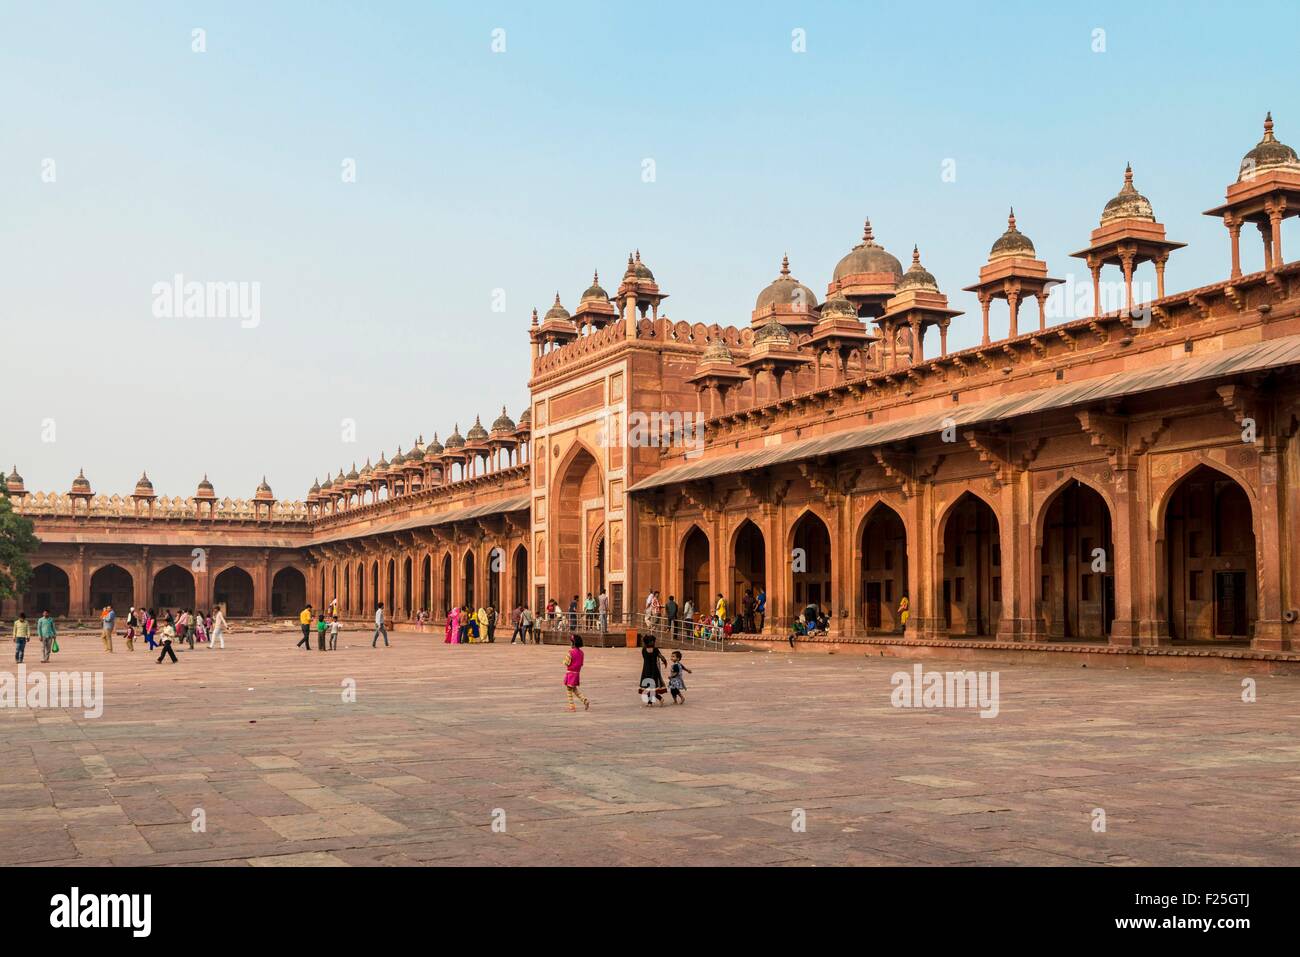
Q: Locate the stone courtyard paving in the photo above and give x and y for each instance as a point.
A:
(439, 737)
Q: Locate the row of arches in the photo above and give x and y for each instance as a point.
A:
(407, 584)
(1207, 550)
(172, 587)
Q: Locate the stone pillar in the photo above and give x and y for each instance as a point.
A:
(1128, 564)
(1015, 539)
(1234, 234)
(78, 586)
(262, 587)
(1269, 635)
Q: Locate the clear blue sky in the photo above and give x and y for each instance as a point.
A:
(522, 171)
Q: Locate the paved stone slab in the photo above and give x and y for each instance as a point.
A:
(466, 755)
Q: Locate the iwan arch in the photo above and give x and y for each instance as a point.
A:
(1125, 477)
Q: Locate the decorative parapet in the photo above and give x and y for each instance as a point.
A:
(163, 508)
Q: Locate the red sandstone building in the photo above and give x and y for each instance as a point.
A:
(1128, 477)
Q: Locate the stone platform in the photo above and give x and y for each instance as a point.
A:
(443, 741)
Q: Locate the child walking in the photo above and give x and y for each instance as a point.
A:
(572, 675)
(675, 683)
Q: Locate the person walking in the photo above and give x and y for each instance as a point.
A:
(573, 675)
(46, 631)
(150, 626)
(652, 679)
(304, 619)
(108, 619)
(602, 609)
(132, 622)
(525, 624)
(168, 633)
(22, 631)
(379, 627)
(516, 618)
(670, 610)
(218, 628)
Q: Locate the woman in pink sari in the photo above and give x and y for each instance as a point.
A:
(453, 626)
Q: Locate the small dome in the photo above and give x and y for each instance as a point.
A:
(315, 487)
(205, 489)
(785, 290)
(558, 312)
(476, 431)
(264, 491)
(716, 351)
(1128, 203)
(1269, 153)
(636, 269)
(867, 256)
(772, 332)
(455, 440)
(14, 483)
(434, 448)
(144, 486)
(917, 276)
(81, 483)
(503, 422)
(526, 420)
(1012, 243)
(595, 293)
(326, 485)
(353, 475)
(838, 307)
(398, 460)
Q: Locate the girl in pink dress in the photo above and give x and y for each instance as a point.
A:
(453, 626)
(572, 675)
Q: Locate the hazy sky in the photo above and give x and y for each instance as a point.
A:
(522, 171)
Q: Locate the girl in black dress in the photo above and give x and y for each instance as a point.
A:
(652, 679)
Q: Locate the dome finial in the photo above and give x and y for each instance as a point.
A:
(916, 255)
(1011, 219)
(1128, 174)
(534, 315)
(1268, 126)
(785, 265)
(595, 277)
(867, 235)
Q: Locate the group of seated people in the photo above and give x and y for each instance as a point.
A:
(812, 622)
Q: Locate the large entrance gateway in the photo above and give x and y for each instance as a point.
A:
(971, 596)
(1076, 560)
(1210, 559)
(577, 553)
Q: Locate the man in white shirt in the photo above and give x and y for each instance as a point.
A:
(379, 627)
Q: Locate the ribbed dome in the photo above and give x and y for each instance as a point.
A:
(353, 474)
(366, 470)
(838, 307)
(636, 269)
(772, 332)
(144, 486)
(263, 490)
(434, 448)
(785, 290)
(503, 422)
(14, 478)
(558, 311)
(917, 276)
(526, 420)
(81, 483)
(326, 485)
(315, 487)
(380, 467)
(205, 488)
(1128, 203)
(867, 256)
(455, 440)
(1012, 243)
(595, 293)
(1269, 153)
(716, 351)
(476, 431)
(398, 459)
